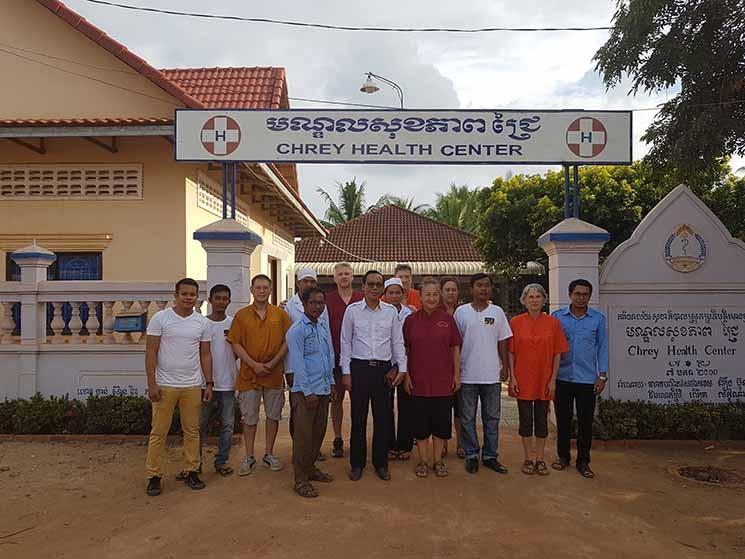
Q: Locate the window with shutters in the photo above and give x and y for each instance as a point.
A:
(71, 182)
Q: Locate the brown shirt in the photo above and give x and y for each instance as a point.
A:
(262, 339)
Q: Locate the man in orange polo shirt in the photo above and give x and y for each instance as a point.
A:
(258, 339)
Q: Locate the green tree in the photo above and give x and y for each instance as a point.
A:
(348, 205)
(458, 207)
(699, 45)
(401, 202)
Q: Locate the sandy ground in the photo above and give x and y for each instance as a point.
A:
(87, 500)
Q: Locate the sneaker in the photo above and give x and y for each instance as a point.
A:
(153, 486)
(338, 450)
(193, 481)
(472, 465)
(272, 462)
(247, 466)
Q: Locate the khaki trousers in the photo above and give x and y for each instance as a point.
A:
(189, 402)
(309, 431)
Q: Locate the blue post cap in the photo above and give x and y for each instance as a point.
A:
(33, 253)
(574, 230)
(226, 230)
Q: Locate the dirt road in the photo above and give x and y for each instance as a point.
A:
(87, 500)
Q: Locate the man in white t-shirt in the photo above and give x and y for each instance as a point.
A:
(176, 356)
(484, 364)
(224, 371)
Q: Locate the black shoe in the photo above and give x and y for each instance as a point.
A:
(383, 473)
(561, 464)
(193, 481)
(584, 470)
(153, 486)
(472, 465)
(493, 464)
(355, 474)
(338, 450)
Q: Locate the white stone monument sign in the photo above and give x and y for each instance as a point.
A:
(674, 295)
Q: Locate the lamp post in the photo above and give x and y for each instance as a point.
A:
(370, 87)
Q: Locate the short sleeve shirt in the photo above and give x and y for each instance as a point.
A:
(178, 363)
(481, 331)
(262, 339)
(429, 340)
(534, 344)
(224, 364)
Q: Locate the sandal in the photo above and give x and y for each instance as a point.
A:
(306, 490)
(321, 477)
(393, 455)
(404, 456)
(461, 453)
(560, 464)
(540, 468)
(441, 470)
(224, 470)
(528, 468)
(422, 470)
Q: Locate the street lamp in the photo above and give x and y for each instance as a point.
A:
(370, 87)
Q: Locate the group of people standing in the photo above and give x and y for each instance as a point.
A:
(423, 363)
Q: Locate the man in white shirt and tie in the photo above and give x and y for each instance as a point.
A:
(371, 340)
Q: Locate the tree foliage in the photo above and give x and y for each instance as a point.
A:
(405, 203)
(516, 211)
(458, 207)
(350, 202)
(700, 45)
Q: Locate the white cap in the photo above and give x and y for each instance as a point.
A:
(393, 281)
(307, 273)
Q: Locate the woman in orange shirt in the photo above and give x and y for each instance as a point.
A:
(535, 351)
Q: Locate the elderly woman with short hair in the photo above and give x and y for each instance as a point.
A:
(535, 351)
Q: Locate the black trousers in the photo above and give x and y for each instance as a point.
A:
(567, 393)
(402, 428)
(369, 385)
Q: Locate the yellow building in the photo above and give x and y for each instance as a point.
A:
(86, 157)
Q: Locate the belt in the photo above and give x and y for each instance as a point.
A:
(373, 362)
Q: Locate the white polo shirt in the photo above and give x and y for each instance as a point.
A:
(178, 364)
(481, 330)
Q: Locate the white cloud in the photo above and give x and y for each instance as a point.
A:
(505, 70)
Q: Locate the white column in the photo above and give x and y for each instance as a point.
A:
(33, 261)
(573, 247)
(229, 246)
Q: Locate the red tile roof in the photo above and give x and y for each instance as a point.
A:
(86, 122)
(120, 51)
(390, 234)
(235, 88)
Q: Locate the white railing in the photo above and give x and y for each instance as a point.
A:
(68, 302)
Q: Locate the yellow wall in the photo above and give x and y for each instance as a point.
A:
(49, 87)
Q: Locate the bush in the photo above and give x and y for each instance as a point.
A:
(98, 415)
(693, 420)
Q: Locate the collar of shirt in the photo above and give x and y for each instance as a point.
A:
(568, 311)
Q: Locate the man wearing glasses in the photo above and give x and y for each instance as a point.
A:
(583, 372)
(371, 340)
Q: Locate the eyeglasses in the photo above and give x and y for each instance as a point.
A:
(374, 284)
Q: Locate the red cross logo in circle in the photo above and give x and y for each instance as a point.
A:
(221, 135)
(586, 137)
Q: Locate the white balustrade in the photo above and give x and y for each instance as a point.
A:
(66, 299)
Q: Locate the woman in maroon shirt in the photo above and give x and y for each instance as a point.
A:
(450, 291)
(433, 348)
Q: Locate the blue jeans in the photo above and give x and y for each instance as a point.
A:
(491, 405)
(225, 402)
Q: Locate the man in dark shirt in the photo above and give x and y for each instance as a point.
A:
(336, 304)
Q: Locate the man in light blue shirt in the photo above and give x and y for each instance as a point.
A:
(583, 372)
(311, 358)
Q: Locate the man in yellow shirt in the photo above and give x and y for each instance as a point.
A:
(258, 339)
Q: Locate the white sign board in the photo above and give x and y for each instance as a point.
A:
(405, 136)
(685, 354)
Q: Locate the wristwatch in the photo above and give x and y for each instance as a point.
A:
(604, 378)
(209, 383)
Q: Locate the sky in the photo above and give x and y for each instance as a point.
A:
(472, 71)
